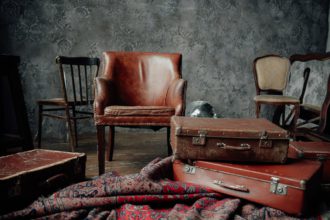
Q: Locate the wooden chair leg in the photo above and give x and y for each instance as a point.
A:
(40, 109)
(100, 130)
(295, 119)
(68, 120)
(257, 110)
(168, 135)
(111, 142)
(75, 133)
(278, 113)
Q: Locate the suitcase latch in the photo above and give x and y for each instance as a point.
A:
(264, 142)
(276, 187)
(189, 169)
(200, 140)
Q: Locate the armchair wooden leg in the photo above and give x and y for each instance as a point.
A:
(111, 142)
(100, 130)
(38, 136)
(168, 134)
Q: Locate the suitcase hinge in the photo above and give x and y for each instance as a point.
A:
(189, 169)
(276, 187)
(200, 140)
(264, 141)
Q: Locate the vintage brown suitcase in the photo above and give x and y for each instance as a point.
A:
(256, 140)
(281, 186)
(313, 151)
(25, 176)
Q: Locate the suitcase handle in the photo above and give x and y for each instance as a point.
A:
(240, 188)
(242, 147)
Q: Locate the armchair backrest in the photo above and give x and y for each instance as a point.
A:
(271, 72)
(141, 78)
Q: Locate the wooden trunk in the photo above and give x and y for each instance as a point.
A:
(256, 140)
(279, 186)
(25, 176)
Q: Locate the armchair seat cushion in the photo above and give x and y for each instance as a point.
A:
(118, 110)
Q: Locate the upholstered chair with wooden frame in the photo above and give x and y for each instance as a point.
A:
(271, 74)
(310, 112)
(76, 81)
(137, 89)
(322, 131)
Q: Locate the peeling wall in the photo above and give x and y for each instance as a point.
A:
(218, 39)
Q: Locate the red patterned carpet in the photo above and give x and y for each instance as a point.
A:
(150, 194)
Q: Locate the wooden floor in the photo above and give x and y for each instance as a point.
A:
(133, 150)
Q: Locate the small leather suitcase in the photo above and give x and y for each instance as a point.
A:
(281, 186)
(313, 151)
(256, 140)
(26, 175)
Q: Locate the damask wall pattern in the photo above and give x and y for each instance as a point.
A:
(218, 39)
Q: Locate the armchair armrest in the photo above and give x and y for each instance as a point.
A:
(103, 95)
(176, 96)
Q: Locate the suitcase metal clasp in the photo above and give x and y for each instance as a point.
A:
(264, 142)
(201, 139)
(276, 187)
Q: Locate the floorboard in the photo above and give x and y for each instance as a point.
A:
(133, 150)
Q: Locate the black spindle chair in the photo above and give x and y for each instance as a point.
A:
(76, 76)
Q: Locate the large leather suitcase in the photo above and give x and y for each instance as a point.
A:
(25, 176)
(313, 151)
(256, 140)
(281, 186)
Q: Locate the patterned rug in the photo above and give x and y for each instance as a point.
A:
(150, 194)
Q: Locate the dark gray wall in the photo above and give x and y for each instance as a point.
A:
(328, 41)
(218, 39)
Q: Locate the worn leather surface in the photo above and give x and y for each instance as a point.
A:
(313, 151)
(229, 127)
(228, 139)
(27, 175)
(32, 161)
(256, 180)
(139, 79)
(121, 110)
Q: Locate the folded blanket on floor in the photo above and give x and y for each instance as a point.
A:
(150, 194)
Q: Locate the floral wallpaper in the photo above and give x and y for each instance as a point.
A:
(316, 88)
(218, 39)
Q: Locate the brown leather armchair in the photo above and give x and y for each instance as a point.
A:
(137, 89)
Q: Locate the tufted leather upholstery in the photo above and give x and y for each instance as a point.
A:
(137, 89)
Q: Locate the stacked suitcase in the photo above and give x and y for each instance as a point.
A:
(245, 158)
(27, 175)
